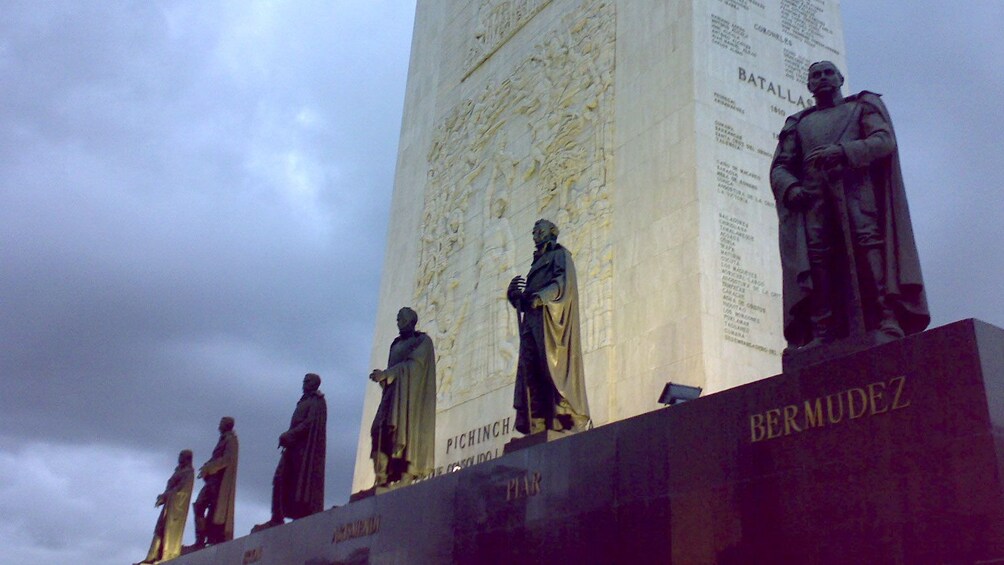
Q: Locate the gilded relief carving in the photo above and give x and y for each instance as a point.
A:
(535, 143)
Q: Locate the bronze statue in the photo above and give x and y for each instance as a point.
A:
(298, 484)
(404, 429)
(174, 501)
(550, 385)
(849, 261)
(214, 508)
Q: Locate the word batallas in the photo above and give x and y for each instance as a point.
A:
(872, 399)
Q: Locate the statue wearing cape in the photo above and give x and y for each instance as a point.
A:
(170, 529)
(550, 391)
(404, 429)
(298, 487)
(863, 130)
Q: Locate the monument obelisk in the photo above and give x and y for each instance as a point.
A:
(644, 129)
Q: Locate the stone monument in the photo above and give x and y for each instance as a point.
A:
(645, 130)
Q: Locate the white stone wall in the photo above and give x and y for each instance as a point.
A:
(619, 120)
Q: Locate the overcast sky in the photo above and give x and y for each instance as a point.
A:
(193, 208)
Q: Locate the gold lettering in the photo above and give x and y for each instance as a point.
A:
(772, 420)
(850, 403)
(790, 411)
(814, 415)
(829, 408)
(875, 398)
(756, 425)
(535, 483)
(899, 391)
(510, 487)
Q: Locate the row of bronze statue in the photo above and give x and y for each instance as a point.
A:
(297, 486)
(549, 394)
(850, 268)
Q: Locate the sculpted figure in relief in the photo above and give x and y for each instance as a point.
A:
(848, 256)
(550, 392)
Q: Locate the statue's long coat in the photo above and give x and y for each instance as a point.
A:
(225, 460)
(552, 279)
(302, 488)
(904, 282)
(171, 523)
(409, 402)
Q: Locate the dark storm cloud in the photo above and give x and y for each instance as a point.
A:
(193, 210)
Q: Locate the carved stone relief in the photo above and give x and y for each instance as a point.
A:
(497, 22)
(534, 144)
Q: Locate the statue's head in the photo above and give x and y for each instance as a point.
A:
(407, 319)
(544, 231)
(499, 205)
(226, 424)
(311, 382)
(824, 78)
(185, 457)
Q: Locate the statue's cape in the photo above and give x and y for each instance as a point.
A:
(903, 276)
(412, 410)
(562, 338)
(304, 459)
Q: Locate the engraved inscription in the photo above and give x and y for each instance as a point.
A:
(731, 36)
(879, 397)
(741, 312)
(801, 20)
(524, 486)
(356, 529)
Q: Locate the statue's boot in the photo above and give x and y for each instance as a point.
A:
(537, 425)
(200, 532)
(822, 311)
(888, 325)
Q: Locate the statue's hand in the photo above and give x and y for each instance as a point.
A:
(376, 376)
(284, 439)
(160, 501)
(517, 285)
(826, 156)
(799, 197)
(515, 292)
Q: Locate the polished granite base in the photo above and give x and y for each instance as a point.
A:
(889, 455)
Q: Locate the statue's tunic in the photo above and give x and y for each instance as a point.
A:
(170, 528)
(221, 471)
(298, 488)
(877, 209)
(550, 354)
(405, 424)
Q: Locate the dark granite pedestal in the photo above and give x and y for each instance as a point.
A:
(889, 455)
